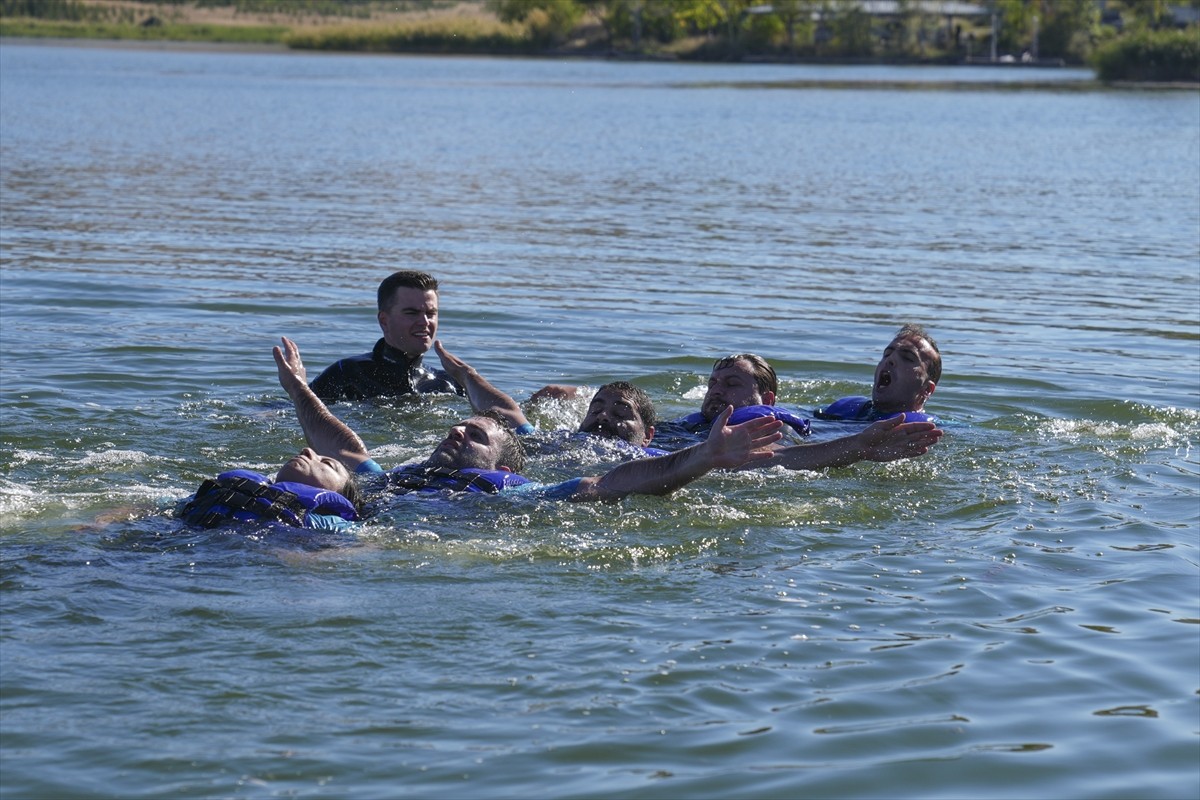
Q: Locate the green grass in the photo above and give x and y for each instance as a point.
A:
(432, 36)
(238, 34)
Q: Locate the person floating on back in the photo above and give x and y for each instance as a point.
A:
(308, 491)
(745, 383)
(617, 412)
(748, 383)
(484, 452)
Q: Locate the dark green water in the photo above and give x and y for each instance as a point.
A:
(1013, 615)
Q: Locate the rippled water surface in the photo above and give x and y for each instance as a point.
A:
(1013, 615)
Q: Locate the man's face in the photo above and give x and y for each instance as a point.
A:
(613, 415)
(476, 442)
(902, 377)
(732, 386)
(311, 469)
(410, 324)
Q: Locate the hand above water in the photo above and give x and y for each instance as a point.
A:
(292, 374)
(730, 446)
(894, 439)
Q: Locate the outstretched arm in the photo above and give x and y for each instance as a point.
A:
(325, 433)
(887, 440)
(726, 447)
(483, 396)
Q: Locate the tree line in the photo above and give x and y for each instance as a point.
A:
(1148, 40)
(1069, 30)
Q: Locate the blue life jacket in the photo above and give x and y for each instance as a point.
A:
(697, 422)
(248, 496)
(419, 478)
(861, 409)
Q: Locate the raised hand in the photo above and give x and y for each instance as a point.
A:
(455, 367)
(291, 368)
(325, 433)
(732, 446)
(484, 397)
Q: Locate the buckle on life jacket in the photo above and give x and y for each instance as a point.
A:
(217, 500)
(455, 480)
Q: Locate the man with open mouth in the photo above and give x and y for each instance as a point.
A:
(905, 377)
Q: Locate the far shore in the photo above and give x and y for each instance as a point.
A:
(1066, 85)
(197, 45)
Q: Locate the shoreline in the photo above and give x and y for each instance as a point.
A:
(1069, 84)
(196, 45)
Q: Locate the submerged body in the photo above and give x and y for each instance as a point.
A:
(382, 372)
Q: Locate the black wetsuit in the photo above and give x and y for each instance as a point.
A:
(383, 372)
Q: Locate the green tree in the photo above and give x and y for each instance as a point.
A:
(602, 10)
(762, 33)
(641, 20)
(710, 16)
(548, 21)
(1016, 25)
(796, 16)
(1143, 14)
(1049, 28)
(852, 32)
(1070, 29)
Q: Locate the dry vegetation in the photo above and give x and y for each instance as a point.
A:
(228, 15)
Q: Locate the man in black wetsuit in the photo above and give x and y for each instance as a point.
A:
(408, 317)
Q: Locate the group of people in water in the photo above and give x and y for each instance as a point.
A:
(738, 426)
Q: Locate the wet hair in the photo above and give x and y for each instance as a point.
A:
(512, 452)
(933, 363)
(764, 373)
(409, 278)
(640, 400)
(351, 491)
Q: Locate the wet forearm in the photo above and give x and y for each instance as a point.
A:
(325, 433)
(821, 455)
(485, 397)
(659, 475)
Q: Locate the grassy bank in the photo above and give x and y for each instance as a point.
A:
(1150, 56)
(369, 26)
(469, 35)
(163, 31)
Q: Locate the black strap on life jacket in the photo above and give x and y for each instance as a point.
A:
(218, 499)
(417, 478)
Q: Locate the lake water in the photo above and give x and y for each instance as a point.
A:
(1014, 615)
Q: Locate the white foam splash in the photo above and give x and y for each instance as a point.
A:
(15, 499)
(109, 457)
(22, 457)
(1072, 429)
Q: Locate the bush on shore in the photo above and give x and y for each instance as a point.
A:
(1161, 56)
(428, 36)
